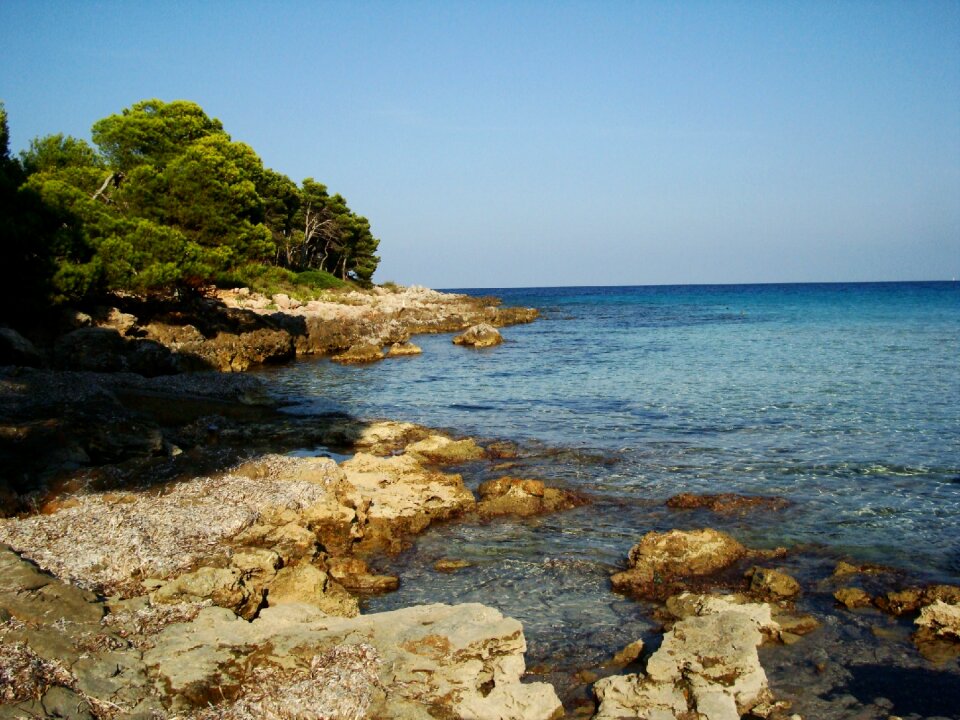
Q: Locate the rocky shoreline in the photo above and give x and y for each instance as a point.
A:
(163, 557)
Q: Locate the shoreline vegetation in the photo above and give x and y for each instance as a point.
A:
(164, 555)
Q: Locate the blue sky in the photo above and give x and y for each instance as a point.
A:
(497, 144)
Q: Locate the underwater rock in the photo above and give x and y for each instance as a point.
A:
(726, 502)
(448, 565)
(853, 598)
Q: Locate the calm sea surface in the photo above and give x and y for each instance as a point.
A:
(842, 398)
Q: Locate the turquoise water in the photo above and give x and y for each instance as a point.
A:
(842, 398)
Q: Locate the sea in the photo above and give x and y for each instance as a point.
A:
(842, 398)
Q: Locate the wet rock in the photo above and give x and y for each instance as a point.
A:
(844, 569)
(15, 349)
(772, 584)
(853, 598)
(359, 354)
(910, 600)
(660, 559)
(404, 349)
(225, 587)
(355, 575)
(479, 336)
(305, 583)
(449, 565)
(523, 498)
(626, 655)
(726, 502)
(442, 450)
(707, 667)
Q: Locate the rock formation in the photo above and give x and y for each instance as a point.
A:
(479, 336)
(707, 667)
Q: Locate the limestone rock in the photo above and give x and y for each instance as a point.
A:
(305, 583)
(360, 353)
(772, 584)
(440, 449)
(707, 667)
(660, 558)
(257, 566)
(941, 619)
(524, 498)
(404, 349)
(461, 661)
(386, 437)
(479, 336)
(225, 587)
(396, 496)
(355, 575)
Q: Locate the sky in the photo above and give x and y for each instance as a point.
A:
(512, 144)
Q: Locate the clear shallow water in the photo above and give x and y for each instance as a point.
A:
(843, 398)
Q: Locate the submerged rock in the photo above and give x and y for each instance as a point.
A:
(448, 565)
(853, 598)
(726, 502)
(479, 336)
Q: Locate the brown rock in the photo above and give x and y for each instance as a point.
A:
(853, 598)
(305, 583)
(772, 584)
(627, 655)
(522, 497)
(439, 449)
(222, 586)
(479, 336)
(360, 353)
(354, 574)
(660, 558)
(448, 565)
(404, 349)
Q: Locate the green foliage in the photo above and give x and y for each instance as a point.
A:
(152, 132)
(59, 152)
(168, 200)
(270, 280)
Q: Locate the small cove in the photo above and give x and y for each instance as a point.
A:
(840, 398)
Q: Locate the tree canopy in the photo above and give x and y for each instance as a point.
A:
(163, 200)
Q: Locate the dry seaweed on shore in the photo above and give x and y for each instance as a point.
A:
(340, 683)
(139, 626)
(24, 675)
(110, 542)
